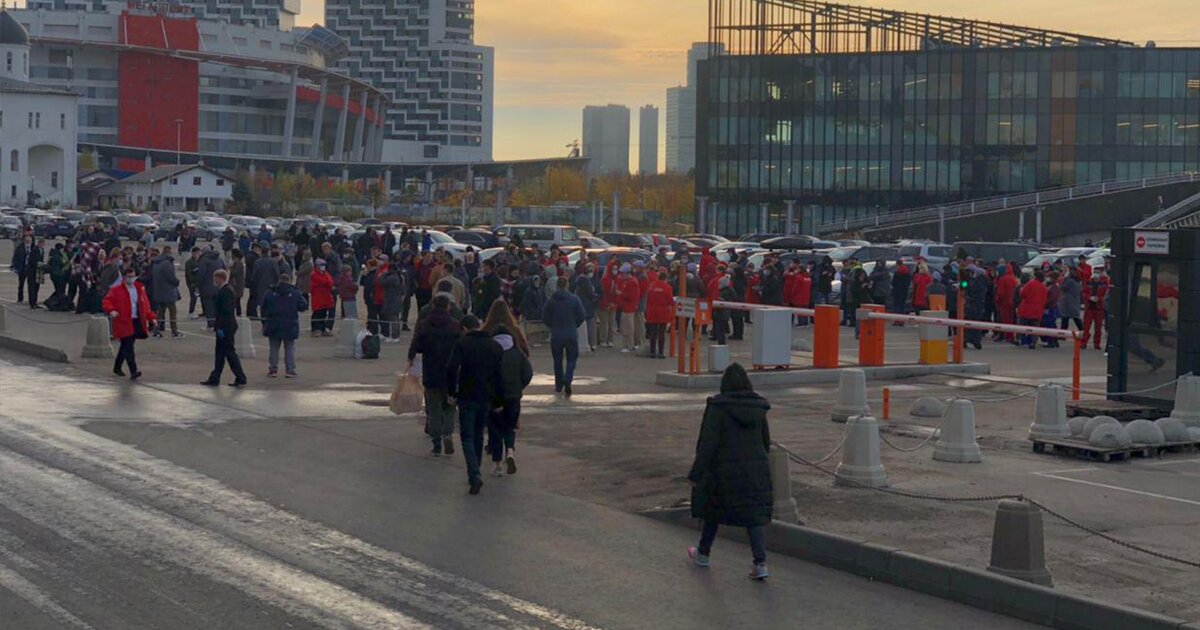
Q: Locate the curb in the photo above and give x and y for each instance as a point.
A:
(45, 353)
(806, 376)
(973, 587)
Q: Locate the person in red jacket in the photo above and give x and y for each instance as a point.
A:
(660, 310)
(322, 302)
(753, 280)
(1006, 298)
(1084, 269)
(1033, 305)
(1095, 290)
(708, 266)
(801, 293)
(628, 293)
(921, 284)
(608, 305)
(129, 308)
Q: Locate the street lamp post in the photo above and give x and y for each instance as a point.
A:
(178, 141)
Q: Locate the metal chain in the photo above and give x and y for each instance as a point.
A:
(918, 447)
(1138, 391)
(71, 322)
(835, 450)
(993, 498)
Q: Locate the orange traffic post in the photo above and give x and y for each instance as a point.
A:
(1075, 367)
(937, 303)
(960, 335)
(887, 403)
(695, 346)
(870, 337)
(826, 335)
(674, 326)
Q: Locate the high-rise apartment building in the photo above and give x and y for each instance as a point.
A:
(606, 139)
(648, 140)
(422, 53)
(681, 112)
(261, 13)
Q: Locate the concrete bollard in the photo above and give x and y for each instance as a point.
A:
(852, 396)
(784, 508)
(860, 465)
(934, 344)
(97, 345)
(1018, 545)
(956, 443)
(3, 321)
(244, 343)
(347, 338)
(1187, 401)
(1051, 414)
(718, 358)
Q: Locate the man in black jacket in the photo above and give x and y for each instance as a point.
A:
(434, 341)
(473, 377)
(226, 327)
(488, 290)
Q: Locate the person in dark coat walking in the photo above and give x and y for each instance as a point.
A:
(473, 378)
(488, 290)
(281, 310)
(976, 304)
(164, 286)
(263, 276)
(225, 316)
(563, 313)
(237, 279)
(731, 475)
(434, 340)
(210, 262)
(515, 375)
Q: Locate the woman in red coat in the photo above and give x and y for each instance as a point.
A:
(322, 302)
(800, 295)
(921, 284)
(1032, 306)
(660, 310)
(129, 308)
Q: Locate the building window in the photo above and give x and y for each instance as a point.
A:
(14, 161)
(8, 59)
(174, 181)
(195, 181)
(54, 179)
(30, 125)
(220, 182)
(37, 120)
(62, 121)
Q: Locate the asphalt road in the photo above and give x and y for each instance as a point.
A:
(130, 506)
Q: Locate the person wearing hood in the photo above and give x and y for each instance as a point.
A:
(1070, 301)
(320, 286)
(389, 296)
(434, 340)
(533, 302)
(824, 282)
(473, 379)
(1006, 297)
(901, 283)
(165, 287)
(487, 291)
(563, 313)
(304, 272)
(731, 474)
(210, 262)
(281, 308)
(587, 288)
(976, 303)
(660, 311)
(721, 316)
(515, 375)
(347, 292)
(1033, 306)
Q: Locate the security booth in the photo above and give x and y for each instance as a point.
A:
(1153, 313)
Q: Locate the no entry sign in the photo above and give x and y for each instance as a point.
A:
(1152, 242)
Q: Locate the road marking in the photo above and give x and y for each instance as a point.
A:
(1120, 489)
(1175, 462)
(1066, 470)
(38, 598)
(72, 481)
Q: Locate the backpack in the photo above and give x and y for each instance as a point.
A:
(58, 303)
(370, 347)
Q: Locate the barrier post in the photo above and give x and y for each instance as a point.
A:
(936, 303)
(695, 366)
(887, 403)
(934, 345)
(870, 336)
(679, 322)
(826, 335)
(674, 327)
(960, 335)
(1075, 367)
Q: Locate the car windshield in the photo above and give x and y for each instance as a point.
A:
(440, 237)
(139, 218)
(843, 253)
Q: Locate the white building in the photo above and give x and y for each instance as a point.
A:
(261, 13)
(177, 187)
(606, 139)
(422, 54)
(37, 128)
(681, 112)
(648, 140)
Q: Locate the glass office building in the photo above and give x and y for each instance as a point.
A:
(849, 111)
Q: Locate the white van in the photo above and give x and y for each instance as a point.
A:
(542, 235)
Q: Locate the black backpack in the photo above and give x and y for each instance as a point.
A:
(370, 347)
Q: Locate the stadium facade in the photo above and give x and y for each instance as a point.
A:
(843, 111)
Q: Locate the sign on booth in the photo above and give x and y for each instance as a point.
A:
(1152, 242)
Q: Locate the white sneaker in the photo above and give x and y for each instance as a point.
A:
(511, 462)
(625, 350)
(498, 470)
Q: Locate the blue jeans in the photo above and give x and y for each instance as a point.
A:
(569, 348)
(472, 419)
(757, 535)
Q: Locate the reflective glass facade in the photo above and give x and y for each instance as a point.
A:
(857, 133)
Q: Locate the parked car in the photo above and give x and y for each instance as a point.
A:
(542, 235)
(757, 237)
(442, 241)
(210, 228)
(862, 254)
(795, 241)
(592, 242)
(988, 252)
(99, 218)
(627, 239)
(479, 239)
(253, 225)
(134, 225)
(1067, 255)
(623, 254)
(936, 254)
(707, 237)
(10, 226)
(74, 216)
(57, 227)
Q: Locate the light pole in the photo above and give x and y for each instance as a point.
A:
(178, 141)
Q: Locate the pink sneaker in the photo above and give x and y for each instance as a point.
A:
(698, 558)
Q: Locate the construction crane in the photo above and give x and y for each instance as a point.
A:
(574, 147)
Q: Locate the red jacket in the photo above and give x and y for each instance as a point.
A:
(377, 294)
(752, 282)
(708, 266)
(608, 289)
(1085, 272)
(920, 291)
(1096, 287)
(1006, 291)
(628, 293)
(712, 291)
(1033, 300)
(117, 299)
(660, 303)
(800, 295)
(321, 289)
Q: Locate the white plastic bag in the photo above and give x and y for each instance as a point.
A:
(358, 342)
(416, 370)
(582, 335)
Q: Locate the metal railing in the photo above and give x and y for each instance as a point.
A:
(1172, 215)
(1003, 203)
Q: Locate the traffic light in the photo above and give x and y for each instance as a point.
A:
(962, 284)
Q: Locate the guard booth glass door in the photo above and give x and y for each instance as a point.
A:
(1153, 327)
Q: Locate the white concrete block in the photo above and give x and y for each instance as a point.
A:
(928, 407)
(852, 396)
(97, 344)
(1077, 424)
(1173, 430)
(1097, 421)
(1050, 419)
(1110, 436)
(860, 465)
(956, 443)
(347, 338)
(1145, 432)
(1187, 401)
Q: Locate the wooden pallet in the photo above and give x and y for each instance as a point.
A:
(1178, 447)
(1080, 448)
(1122, 411)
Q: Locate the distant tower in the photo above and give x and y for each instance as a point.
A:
(606, 139)
(648, 140)
(681, 112)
